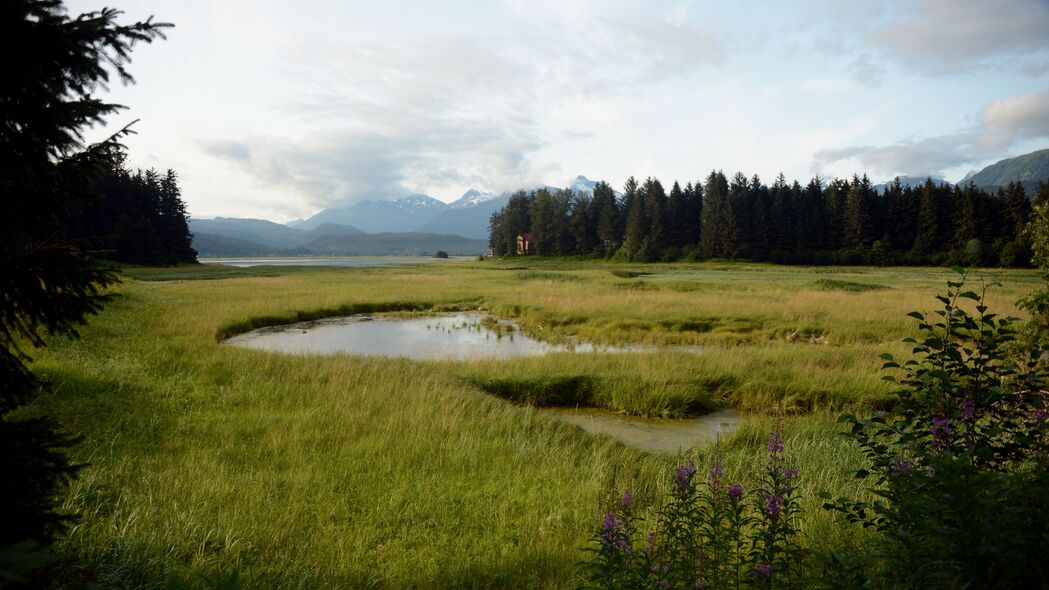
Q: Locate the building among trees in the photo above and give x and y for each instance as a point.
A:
(524, 243)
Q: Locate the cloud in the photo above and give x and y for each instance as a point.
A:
(436, 113)
(946, 36)
(866, 70)
(931, 37)
(344, 166)
(1002, 124)
(231, 150)
(1018, 117)
(922, 157)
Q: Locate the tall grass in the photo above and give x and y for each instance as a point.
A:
(304, 472)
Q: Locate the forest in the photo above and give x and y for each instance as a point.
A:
(136, 217)
(841, 221)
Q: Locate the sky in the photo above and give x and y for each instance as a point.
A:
(277, 110)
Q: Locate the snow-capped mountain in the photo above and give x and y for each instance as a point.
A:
(419, 202)
(466, 216)
(908, 181)
(398, 215)
(582, 184)
(471, 198)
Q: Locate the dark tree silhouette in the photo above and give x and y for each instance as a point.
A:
(844, 221)
(48, 284)
(138, 218)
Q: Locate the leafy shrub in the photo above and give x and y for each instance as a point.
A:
(961, 465)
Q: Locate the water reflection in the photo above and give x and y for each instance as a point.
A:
(453, 336)
(248, 262)
(651, 434)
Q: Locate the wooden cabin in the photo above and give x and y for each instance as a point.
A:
(524, 243)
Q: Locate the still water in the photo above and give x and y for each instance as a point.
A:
(651, 434)
(455, 336)
(472, 335)
(246, 262)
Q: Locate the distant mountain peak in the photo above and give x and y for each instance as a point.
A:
(582, 184)
(419, 200)
(1027, 169)
(470, 198)
(968, 176)
(909, 181)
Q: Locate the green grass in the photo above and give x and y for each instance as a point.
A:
(306, 472)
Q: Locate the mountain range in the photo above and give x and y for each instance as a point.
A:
(421, 225)
(412, 225)
(1028, 170)
(909, 181)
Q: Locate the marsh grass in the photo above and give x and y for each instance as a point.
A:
(851, 286)
(305, 472)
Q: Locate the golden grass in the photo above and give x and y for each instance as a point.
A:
(306, 472)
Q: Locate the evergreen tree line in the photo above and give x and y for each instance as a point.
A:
(138, 217)
(842, 221)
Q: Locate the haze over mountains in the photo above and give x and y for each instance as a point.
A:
(416, 225)
(421, 225)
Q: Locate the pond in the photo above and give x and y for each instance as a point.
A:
(361, 262)
(651, 434)
(456, 336)
(463, 336)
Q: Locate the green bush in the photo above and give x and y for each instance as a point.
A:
(961, 464)
(958, 471)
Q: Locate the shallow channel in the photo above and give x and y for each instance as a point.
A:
(456, 336)
(464, 336)
(651, 434)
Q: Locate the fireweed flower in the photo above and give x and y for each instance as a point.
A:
(968, 409)
(775, 444)
(774, 506)
(789, 474)
(628, 498)
(764, 569)
(714, 478)
(735, 492)
(613, 535)
(699, 585)
(941, 434)
(651, 543)
(898, 465)
(683, 478)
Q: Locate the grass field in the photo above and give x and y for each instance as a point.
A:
(342, 471)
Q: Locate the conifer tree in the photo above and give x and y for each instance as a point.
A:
(719, 224)
(545, 231)
(655, 205)
(931, 236)
(636, 220)
(677, 220)
(860, 229)
(607, 216)
(174, 220)
(694, 216)
(52, 65)
(834, 197)
(782, 221)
